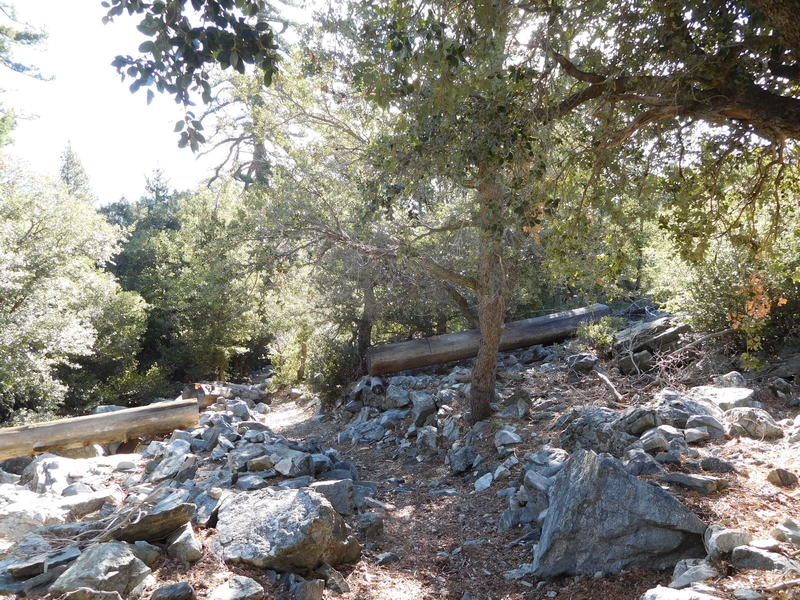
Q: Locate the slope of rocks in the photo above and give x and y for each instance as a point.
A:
(687, 492)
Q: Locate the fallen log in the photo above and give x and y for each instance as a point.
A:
(438, 349)
(117, 426)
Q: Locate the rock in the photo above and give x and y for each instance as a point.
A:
(658, 439)
(386, 558)
(690, 571)
(747, 557)
(294, 463)
(593, 428)
(630, 364)
(788, 531)
(747, 594)
(636, 420)
(639, 462)
(732, 379)
(158, 522)
(370, 526)
(184, 545)
(674, 408)
(717, 465)
(174, 591)
(32, 566)
(665, 593)
(547, 461)
(484, 482)
(238, 587)
(313, 589)
(711, 425)
(339, 492)
(782, 478)
(461, 459)
(50, 474)
(427, 444)
(147, 553)
(423, 407)
(602, 518)
(282, 529)
(396, 397)
(253, 481)
(333, 579)
(506, 436)
(725, 397)
(582, 363)
(696, 434)
(107, 567)
(720, 540)
(702, 484)
(362, 433)
(753, 422)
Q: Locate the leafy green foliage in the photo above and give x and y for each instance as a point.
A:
(599, 335)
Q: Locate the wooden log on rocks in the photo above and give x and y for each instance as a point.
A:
(458, 346)
(117, 426)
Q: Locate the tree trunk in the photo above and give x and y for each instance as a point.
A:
(493, 289)
(364, 339)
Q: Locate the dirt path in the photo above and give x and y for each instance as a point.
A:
(444, 533)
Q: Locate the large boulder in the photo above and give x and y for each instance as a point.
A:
(674, 408)
(282, 529)
(108, 567)
(603, 519)
(725, 397)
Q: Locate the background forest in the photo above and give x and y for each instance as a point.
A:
(396, 170)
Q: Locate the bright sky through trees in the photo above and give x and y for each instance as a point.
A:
(118, 137)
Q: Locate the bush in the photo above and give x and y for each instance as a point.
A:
(599, 335)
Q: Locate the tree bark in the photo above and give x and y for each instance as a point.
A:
(493, 290)
(364, 334)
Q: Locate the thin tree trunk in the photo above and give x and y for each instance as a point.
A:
(493, 288)
(364, 334)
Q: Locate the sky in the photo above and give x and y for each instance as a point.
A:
(117, 136)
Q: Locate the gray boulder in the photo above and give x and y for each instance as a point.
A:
(461, 459)
(721, 540)
(108, 567)
(184, 545)
(601, 518)
(674, 408)
(666, 593)
(593, 428)
(238, 588)
(282, 529)
(747, 557)
(424, 407)
(158, 522)
(339, 492)
(753, 422)
(174, 591)
(725, 397)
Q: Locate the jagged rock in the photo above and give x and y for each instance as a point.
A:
(547, 461)
(22, 511)
(658, 439)
(294, 463)
(333, 579)
(238, 587)
(174, 591)
(720, 540)
(691, 570)
(782, 478)
(107, 567)
(484, 482)
(666, 593)
(313, 589)
(184, 545)
(712, 425)
(370, 526)
(178, 463)
(424, 406)
(461, 459)
(158, 522)
(32, 566)
(282, 529)
(753, 422)
(732, 379)
(582, 363)
(637, 362)
(386, 558)
(601, 518)
(725, 397)
(427, 444)
(788, 531)
(747, 594)
(702, 484)
(339, 492)
(639, 462)
(747, 557)
(50, 474)
(593, 428)
(363, 433)
(674, 408)
(717, 465)
(147, 553)
(506, 436)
